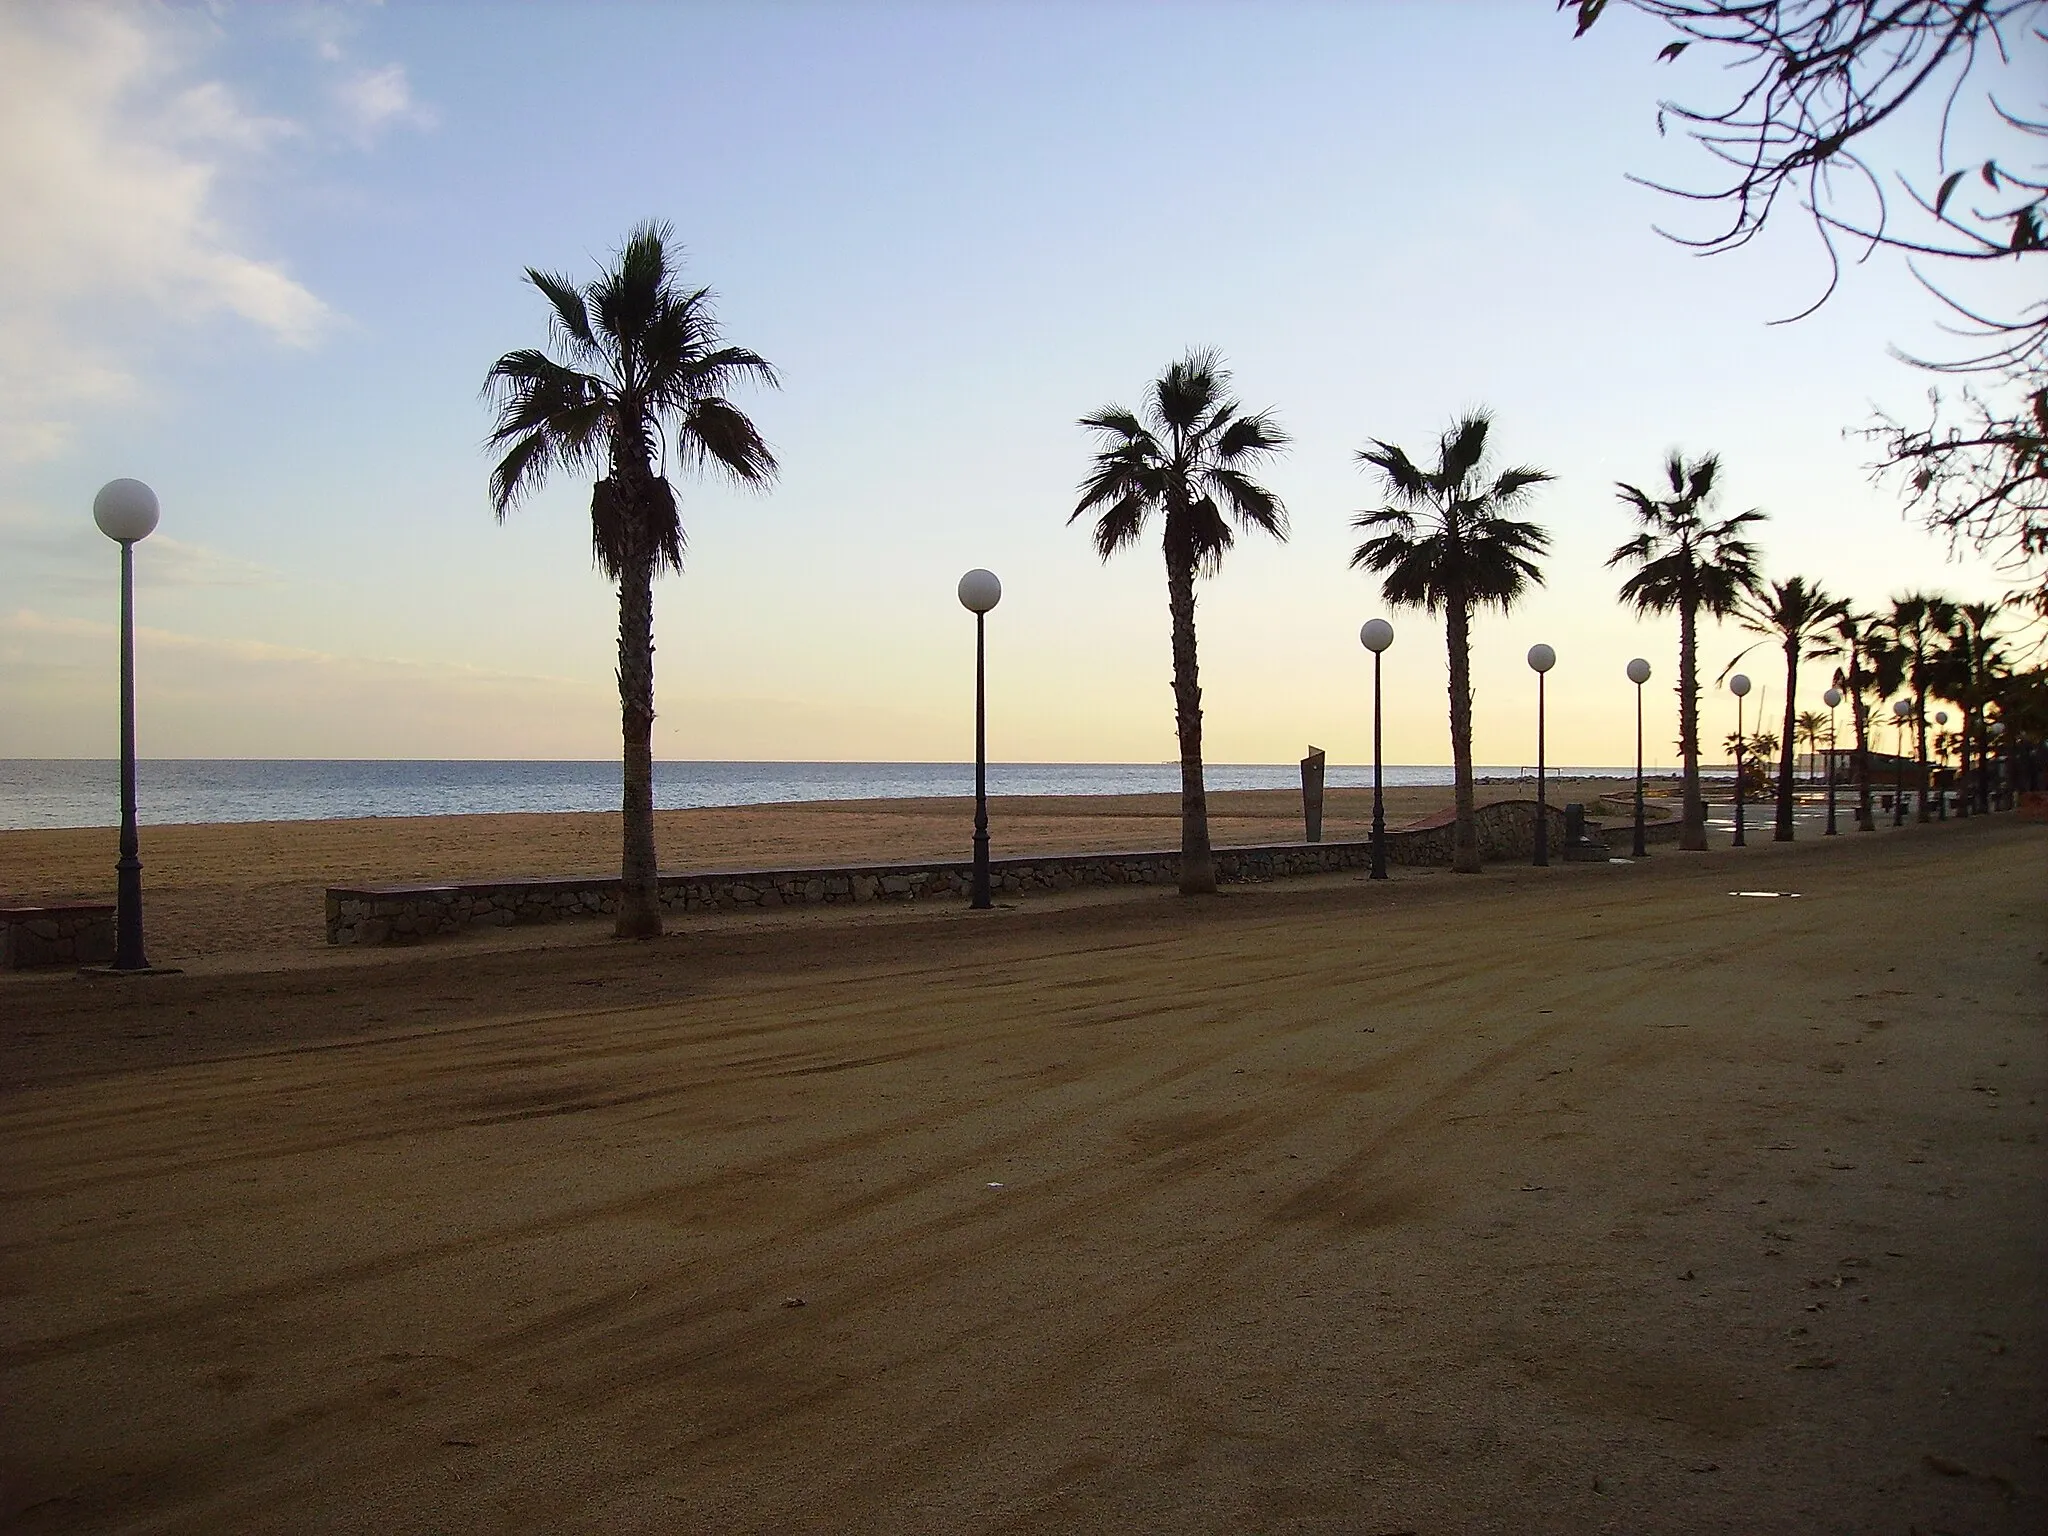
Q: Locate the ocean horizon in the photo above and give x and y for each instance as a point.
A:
(37, 793)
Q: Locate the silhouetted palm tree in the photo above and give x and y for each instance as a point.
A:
(645, 378)
(1865, 671)
(1801, 619)
(1186, 458)
(1915, 625)
(1687, 565)
(1811, 725)
(1969, 667)
(1446, 546)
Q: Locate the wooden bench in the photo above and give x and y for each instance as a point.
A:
(60, 933)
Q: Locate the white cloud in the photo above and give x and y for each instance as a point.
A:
(375, 99)
(109, 164)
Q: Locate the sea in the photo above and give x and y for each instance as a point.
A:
(83, 792)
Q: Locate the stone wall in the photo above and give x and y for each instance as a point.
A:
(399, 914)
(71, 933)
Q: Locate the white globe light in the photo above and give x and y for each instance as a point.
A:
(1376, 635)
(1996, 727)
(1941, 717)
(126, 510)
(980, 591)
(1832, 697)
(1901, 708)
(1639, 671)
(1739, 686)
(1541, 657)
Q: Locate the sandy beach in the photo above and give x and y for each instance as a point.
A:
(254, 887)
(1587, 1199)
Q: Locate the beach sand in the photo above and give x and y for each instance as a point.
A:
(1585, 1199)
(257, 886)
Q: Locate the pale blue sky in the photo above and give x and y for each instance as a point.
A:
(261, 257)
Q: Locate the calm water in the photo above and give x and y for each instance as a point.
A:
(72, 792)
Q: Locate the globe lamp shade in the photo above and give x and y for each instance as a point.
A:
(1639, 671)
(1376, 635)
(125, 510)
(980, 591)
(1542, 658)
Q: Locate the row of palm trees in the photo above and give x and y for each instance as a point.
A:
(640, 378)
(1446, 542)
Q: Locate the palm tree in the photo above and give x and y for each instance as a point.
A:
(1970, 666)
(645, 377)
(1811, 724)
(1865, 671)
(1461, 553)
(1187, 458)
(1801, 618)
(1915, 625)
(1688, 565)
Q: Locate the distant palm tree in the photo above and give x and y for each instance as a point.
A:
(1865, 671)
(1688, 565)
(1462, 553)
(1188, 459)
(1812, 724)
(1970, 666)
(646, 376)
(1801, 619)
(1915, 626)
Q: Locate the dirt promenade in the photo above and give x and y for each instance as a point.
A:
(1587, 1199)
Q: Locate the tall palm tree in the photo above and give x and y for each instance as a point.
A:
(1915, 626)
(642, 376)
(1688, 564)
(1801, 619)
(1446, 545)
(1188, 457)
(1970, 665)
(1865, 671)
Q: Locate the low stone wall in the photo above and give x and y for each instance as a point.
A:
(70, 933)
(399, 914)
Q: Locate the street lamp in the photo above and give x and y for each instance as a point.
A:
(1639, 674)
(1901, 708)
(1739, 686)
(1996, 731)
(1940, 794)
(1376, 635)
(979, 592)
(126, 511)
(1541, 659)
(1831, 698)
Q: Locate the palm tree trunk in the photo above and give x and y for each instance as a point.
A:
(1789, 753)
(1920, 739)
(1197, 863)
(639, 897)
(1692, 831)
(1865, 822)
(1464, 824)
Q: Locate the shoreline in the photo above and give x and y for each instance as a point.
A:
(233, 887)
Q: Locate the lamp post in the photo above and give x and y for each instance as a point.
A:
(1376, 635)
(126, 511)
(1995, 731)
(1940, 794)
(1541, 659)
(1739, 686)
(1901, 708)
(979, 592)
(1831, 698)
(1639, 674)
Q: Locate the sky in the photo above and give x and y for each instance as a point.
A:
(261, 257)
